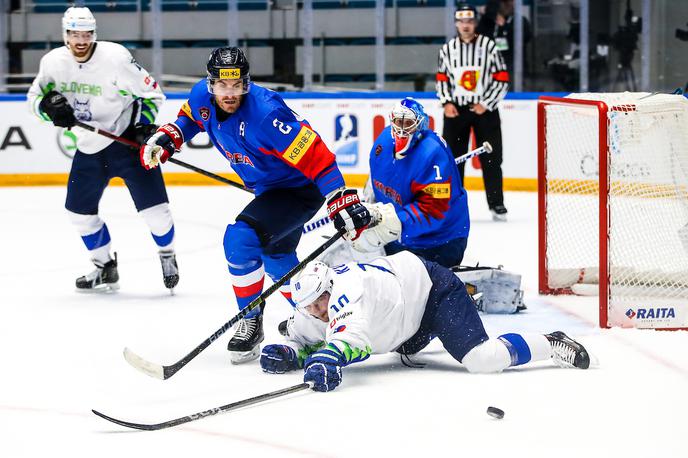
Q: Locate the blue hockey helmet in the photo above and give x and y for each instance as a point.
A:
(408, 121)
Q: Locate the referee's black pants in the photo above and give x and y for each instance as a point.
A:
(487, 128)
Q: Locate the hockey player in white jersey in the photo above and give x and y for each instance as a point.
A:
(397, 303)
(100, 83)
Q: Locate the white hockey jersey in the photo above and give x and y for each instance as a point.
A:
(374, 307)
(103, 90)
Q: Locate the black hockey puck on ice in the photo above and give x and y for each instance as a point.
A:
(494, 412)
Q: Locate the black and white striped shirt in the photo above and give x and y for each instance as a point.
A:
(471, 73)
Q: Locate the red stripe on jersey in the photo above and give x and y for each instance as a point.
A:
(441, 77)
(429, 205)
(184, 114)
(250, 290)
(316, 160)
(415, 211)
(502, 77)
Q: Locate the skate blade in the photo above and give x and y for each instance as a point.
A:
(241, 357)
(498, 218)
(105, 288)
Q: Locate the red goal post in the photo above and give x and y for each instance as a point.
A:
(613, 205)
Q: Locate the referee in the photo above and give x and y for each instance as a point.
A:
(471, 80)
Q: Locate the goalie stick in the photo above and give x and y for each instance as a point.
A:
(486, 148)
(164, 372)
(209, 412)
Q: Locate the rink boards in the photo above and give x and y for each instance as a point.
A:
(36, 153)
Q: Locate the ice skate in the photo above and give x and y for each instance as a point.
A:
(498, 213)
(103, 279)
(566, 352)
(170, 271)
(244, 346)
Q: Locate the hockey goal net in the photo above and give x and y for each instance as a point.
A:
(613, 204)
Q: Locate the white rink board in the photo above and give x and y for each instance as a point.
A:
(30, 146)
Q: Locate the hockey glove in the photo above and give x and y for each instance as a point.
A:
(385, 228)
(278, 359)
(166, 141)
(324, 369)
(346, 210)
(143, 132)
(58, 109)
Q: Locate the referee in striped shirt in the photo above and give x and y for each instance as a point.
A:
(471, 80)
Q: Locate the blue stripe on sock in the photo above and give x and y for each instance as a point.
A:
(97, 239)
(518, 348)
(164, 240)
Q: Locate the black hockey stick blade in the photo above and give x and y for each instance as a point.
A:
(164, 372)
(209, 412)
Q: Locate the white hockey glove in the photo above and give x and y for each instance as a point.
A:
(385, 228)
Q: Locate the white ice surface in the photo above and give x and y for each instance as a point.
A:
(62, 356)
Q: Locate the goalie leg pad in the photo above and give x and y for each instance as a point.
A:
(386, 227)
(501, 290)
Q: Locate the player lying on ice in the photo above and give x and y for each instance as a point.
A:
(397, 303)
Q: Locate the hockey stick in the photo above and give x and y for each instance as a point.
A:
(209, 412)
(308, 227)
(486, 148)
(133, 144)
(165, 372)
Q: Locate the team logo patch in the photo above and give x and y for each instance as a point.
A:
(469, 80)
(339, 329)
(230, 73)
(378, 150)
(205, 113)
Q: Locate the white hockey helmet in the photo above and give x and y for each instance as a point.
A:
(314, 280)
(79, 19)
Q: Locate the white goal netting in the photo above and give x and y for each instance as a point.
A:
(647, 204)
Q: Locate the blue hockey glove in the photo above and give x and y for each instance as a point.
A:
(324, 369)
(346, 211)
(278, 359)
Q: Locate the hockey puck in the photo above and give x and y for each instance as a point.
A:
(494, 412)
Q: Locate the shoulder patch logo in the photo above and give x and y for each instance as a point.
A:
(378, 150)
(205, 113)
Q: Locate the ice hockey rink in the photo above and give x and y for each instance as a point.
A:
(62, 355)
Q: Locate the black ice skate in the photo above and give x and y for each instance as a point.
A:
(103, 279)
(566, 352)
(245, 344)
(498, 213)
(170, 271)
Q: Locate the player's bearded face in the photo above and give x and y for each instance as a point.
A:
(228, 94)
(318, 308)
(80, 43)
